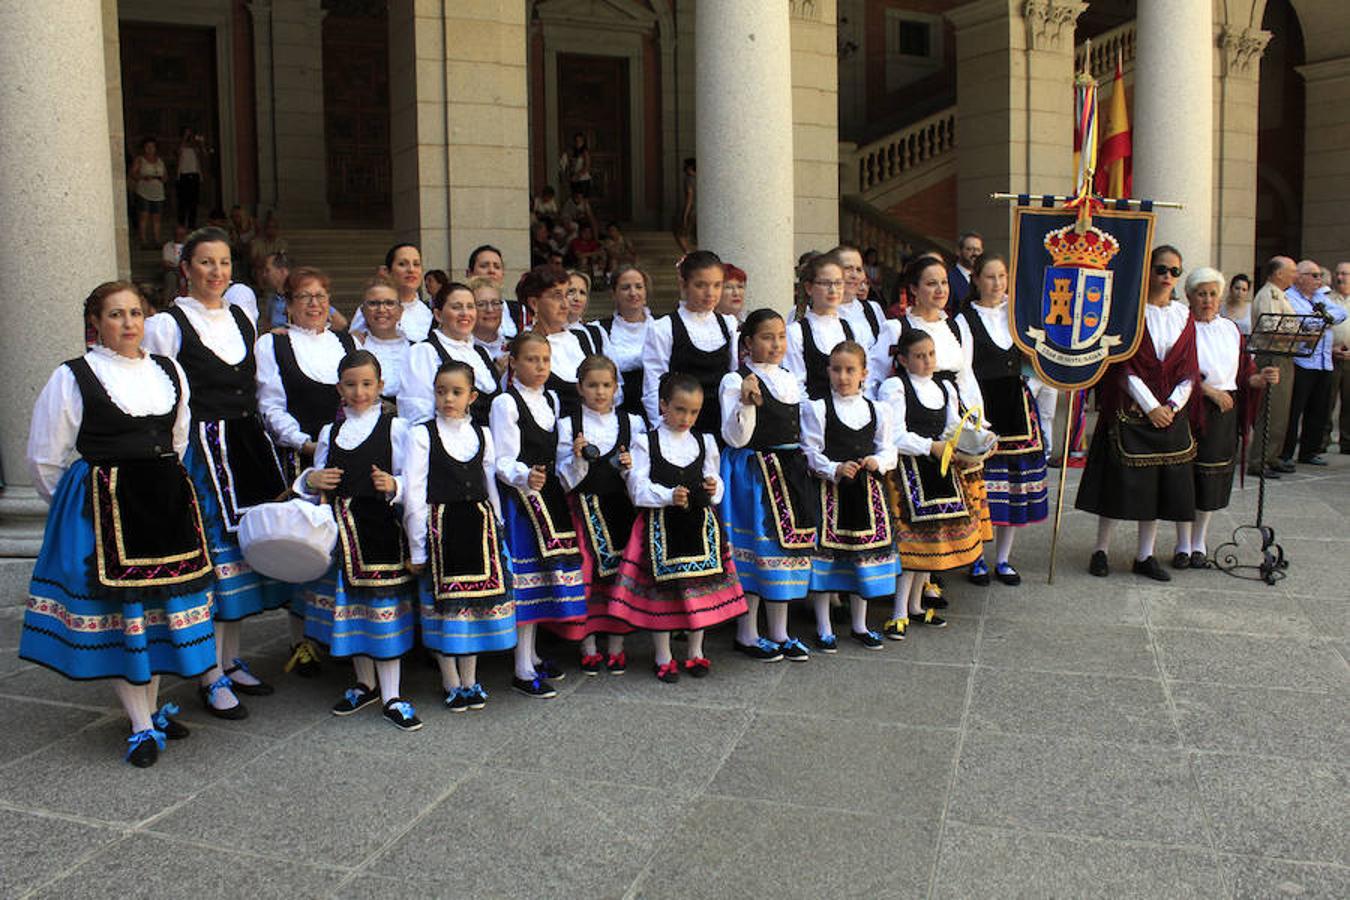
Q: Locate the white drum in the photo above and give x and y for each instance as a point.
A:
(290, 541)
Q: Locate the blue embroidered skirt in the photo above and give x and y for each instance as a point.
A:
(358, 623)
(239, 592)
(1014, 476)
(464, 597)
(855, 550)
(545, 561)
(760, 520)
(82, 636)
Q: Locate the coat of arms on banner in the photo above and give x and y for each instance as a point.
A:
(1077, 295)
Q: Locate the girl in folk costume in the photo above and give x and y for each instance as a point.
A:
(1014, 475)
(693, 340)
(936, 525)
(593, 458)
(403, 266)
(676, 573)
(812, 337)
(771, 513)
(866, 317)
(1140, 463)
(926, 283)
(1230, 389)
(456, 311)
(363, 608)
(545, 561)
(543, 290)
(380, 306)
(122, 585)
(297, 376)
(232, 463)
(626, 331)
(449, 485)
(850, 447)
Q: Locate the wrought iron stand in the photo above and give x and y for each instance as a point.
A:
(1272, 566)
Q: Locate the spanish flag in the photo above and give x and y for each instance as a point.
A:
(1115, 175)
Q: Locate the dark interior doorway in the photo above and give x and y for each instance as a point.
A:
(356, 113)
(168, 84)
(593, 100)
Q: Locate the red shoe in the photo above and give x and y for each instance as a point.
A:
(617, 663)
(697, 666)
(590, 664)
(669, 673)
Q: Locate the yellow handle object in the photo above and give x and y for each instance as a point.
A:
(977, 413)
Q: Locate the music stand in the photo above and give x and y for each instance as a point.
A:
(1273, 334)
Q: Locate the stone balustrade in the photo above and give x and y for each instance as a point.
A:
(1102, 51)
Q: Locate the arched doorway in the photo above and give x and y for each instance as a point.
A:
(1279, 171)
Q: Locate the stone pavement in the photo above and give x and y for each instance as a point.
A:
(1098, 738)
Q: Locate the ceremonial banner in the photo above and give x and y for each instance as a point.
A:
(1077, 299)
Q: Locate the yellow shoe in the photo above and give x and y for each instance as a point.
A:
(304, 659)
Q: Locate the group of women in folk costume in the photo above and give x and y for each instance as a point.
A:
(629, 474)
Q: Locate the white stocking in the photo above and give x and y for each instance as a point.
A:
(1003, 541)
(1200, 537)
(1148, 533)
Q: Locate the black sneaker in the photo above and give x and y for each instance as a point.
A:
(534, 687)
(827, 643)
(457, 700)
(1098, 565)
(617, 663)
(870, 640)
(547, 668)
(668, 672)
(476, 695)
(929, 619)
(356, 698)
(591, 663)
(894, 629)
(937, 602)
(794, 650)
(401, 715)
(1286, 466)
(763, 650)
(1150, 568)
(979, 573)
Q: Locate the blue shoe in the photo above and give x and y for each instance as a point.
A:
(547, 668)
(827, 643)
(534, 687)
(477, 696)
(1007, 574)
(979, 573)
(762, 650)
(401, 715)
(355, 698)
(145, 747)
(457, 700)
(208, 694)
(870, 640)
(794, 650)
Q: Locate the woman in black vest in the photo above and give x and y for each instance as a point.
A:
(543, 290)
(1015, 475)
(123, 416)
(694, 340)
(297, 396)
(456, 313)
(625, 333)
(232, 463)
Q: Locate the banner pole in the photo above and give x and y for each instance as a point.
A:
(1063, 475)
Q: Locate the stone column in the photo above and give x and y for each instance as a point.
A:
(1326, 161)
(298, 142)
(1014, 97)
(112, 67)
(745, 152)
(458, 84)
(815, 125)
(58, 203)
(261, 11)
(1173, 123)
(1236, 89)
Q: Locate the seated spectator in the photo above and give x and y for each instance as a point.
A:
(540, 245)
(168, 260)
(619, 250)
(269, 242)
(544, 207)
(585, 251)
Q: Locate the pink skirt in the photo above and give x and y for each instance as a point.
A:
(598, 562)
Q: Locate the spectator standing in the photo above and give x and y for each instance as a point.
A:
(1279, 274)
(575, 166)
(1340, 355)
(168, 258)
(1237, 306)
(269, 242)
(1310, 403)
(148, 174)
(192, 152)
(969, 248)
(276, 269)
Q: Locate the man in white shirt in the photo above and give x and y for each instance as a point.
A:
(1279, 275)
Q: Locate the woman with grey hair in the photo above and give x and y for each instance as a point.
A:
(1230, 385)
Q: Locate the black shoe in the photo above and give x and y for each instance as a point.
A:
(173, 729)
(354, 699)
(1098, 565)
(1267, 473)
(894, 629)
(794, 650)
(927, 602)
(261, 689)
(979, 573)
(1199, 560)
(457, 700)
(401, 715)
(1286, 466)
(929, 619)
(827, 643)
(1151, 569)
(206, 692)
(1180, 561)
(534, 687)
(547, 668)
(763, 650)
(668, 672)
(1005, 573)
(1313, 461)
(144, 750)
(304, 659)
(870, 640)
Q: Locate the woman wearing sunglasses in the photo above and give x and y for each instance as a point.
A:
(1140, 462)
